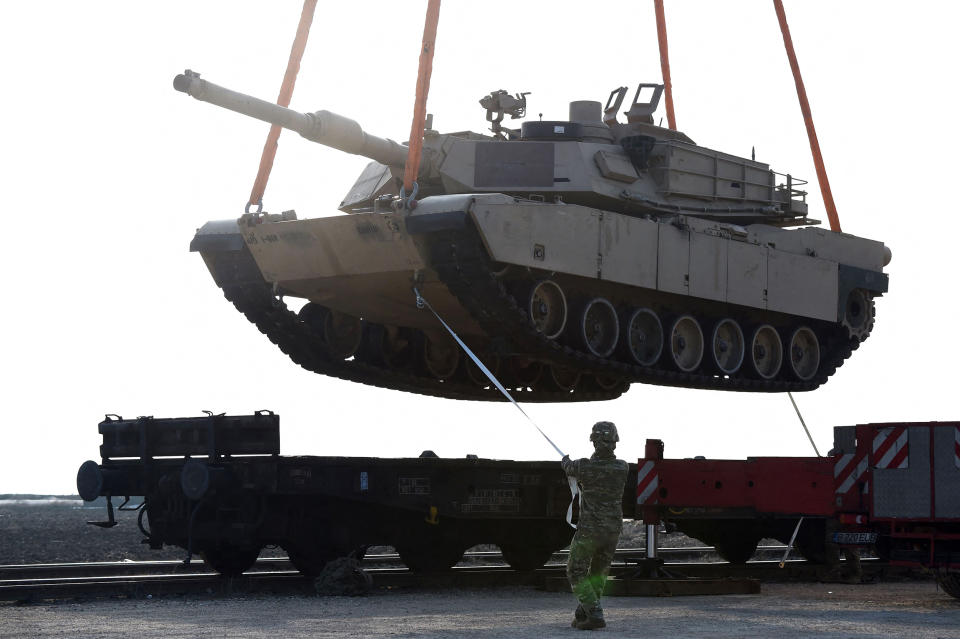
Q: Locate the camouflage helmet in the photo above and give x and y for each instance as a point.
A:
(604, 432)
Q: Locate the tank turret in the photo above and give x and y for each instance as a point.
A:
(576, 257)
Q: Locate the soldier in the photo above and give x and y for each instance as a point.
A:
(601, 479)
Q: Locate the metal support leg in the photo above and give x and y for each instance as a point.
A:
(651, 541)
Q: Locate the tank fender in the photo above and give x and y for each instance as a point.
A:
(439, 213)
(219, 235)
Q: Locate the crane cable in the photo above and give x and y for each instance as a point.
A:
(286, 92)
(825, 191)
(665, 62)
(417, 126)
(574, 488)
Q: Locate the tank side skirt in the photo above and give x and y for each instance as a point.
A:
(462, 264)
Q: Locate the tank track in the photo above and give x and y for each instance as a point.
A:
(241, 284)
(464, 267)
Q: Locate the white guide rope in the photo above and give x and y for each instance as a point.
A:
(574, 489)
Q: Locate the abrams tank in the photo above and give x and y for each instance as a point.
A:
(574, 257)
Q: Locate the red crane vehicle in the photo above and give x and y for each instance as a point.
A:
(893, 487)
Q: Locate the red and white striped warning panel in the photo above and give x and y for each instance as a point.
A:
(891, 447)
(956, 446)
(848, 469)
(647, 481)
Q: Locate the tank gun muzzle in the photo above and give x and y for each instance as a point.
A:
(322, 127)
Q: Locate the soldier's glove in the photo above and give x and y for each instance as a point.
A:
(566, 458)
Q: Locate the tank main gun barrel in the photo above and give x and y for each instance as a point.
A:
(322, 127)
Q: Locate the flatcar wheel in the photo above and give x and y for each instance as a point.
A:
(430, 558)
(230, 561)
(441, 356)
(547, 308)
(525, 372)
(477, 376)
(643, 336)
(686, 343)
(804, 350)
(950, 582)
(736, 549)
(598, 327)
(766, 352)
(563, 378)
(727, 346)
(342, 333)
(525, 558)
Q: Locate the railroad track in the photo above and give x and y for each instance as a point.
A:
(34, 582)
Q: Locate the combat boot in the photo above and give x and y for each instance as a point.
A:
(593, 620)
(579, 615)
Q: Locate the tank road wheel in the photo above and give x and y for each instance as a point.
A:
(342, 333)
(643, 336)
(608, 382)
(230, 561)
(441, 356)
(804, 350)
(395, 346)
(524, 372)
(686, 343)
(950, 582)
(766, 352)
(727, 346)
(858, 314)
(547, 308)
(475, 375)
(563, 378)
(598, 327)
(525, 558)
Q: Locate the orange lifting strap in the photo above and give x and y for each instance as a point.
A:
(808, 120)
(665, 62)
(286, 92)
(420, 104)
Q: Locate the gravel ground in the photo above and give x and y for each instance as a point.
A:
(914, 610)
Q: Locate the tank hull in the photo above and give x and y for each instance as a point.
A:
(476, 259)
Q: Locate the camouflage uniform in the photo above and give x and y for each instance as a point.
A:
(601, 480)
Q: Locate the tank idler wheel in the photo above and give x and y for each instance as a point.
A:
(525, 558)
(342, 333)
(547, 308)
(858, 314)
(766, 352)
(475, 375)
(441, 356)
(804, 350)
(524, 372)
(563, 378)
(686, 343)
(727, 346)
(598, 328)
(643, 336)
(230, 561)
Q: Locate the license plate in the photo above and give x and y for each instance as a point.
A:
(855, 538)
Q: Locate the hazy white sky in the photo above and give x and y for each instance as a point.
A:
(107, 171)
